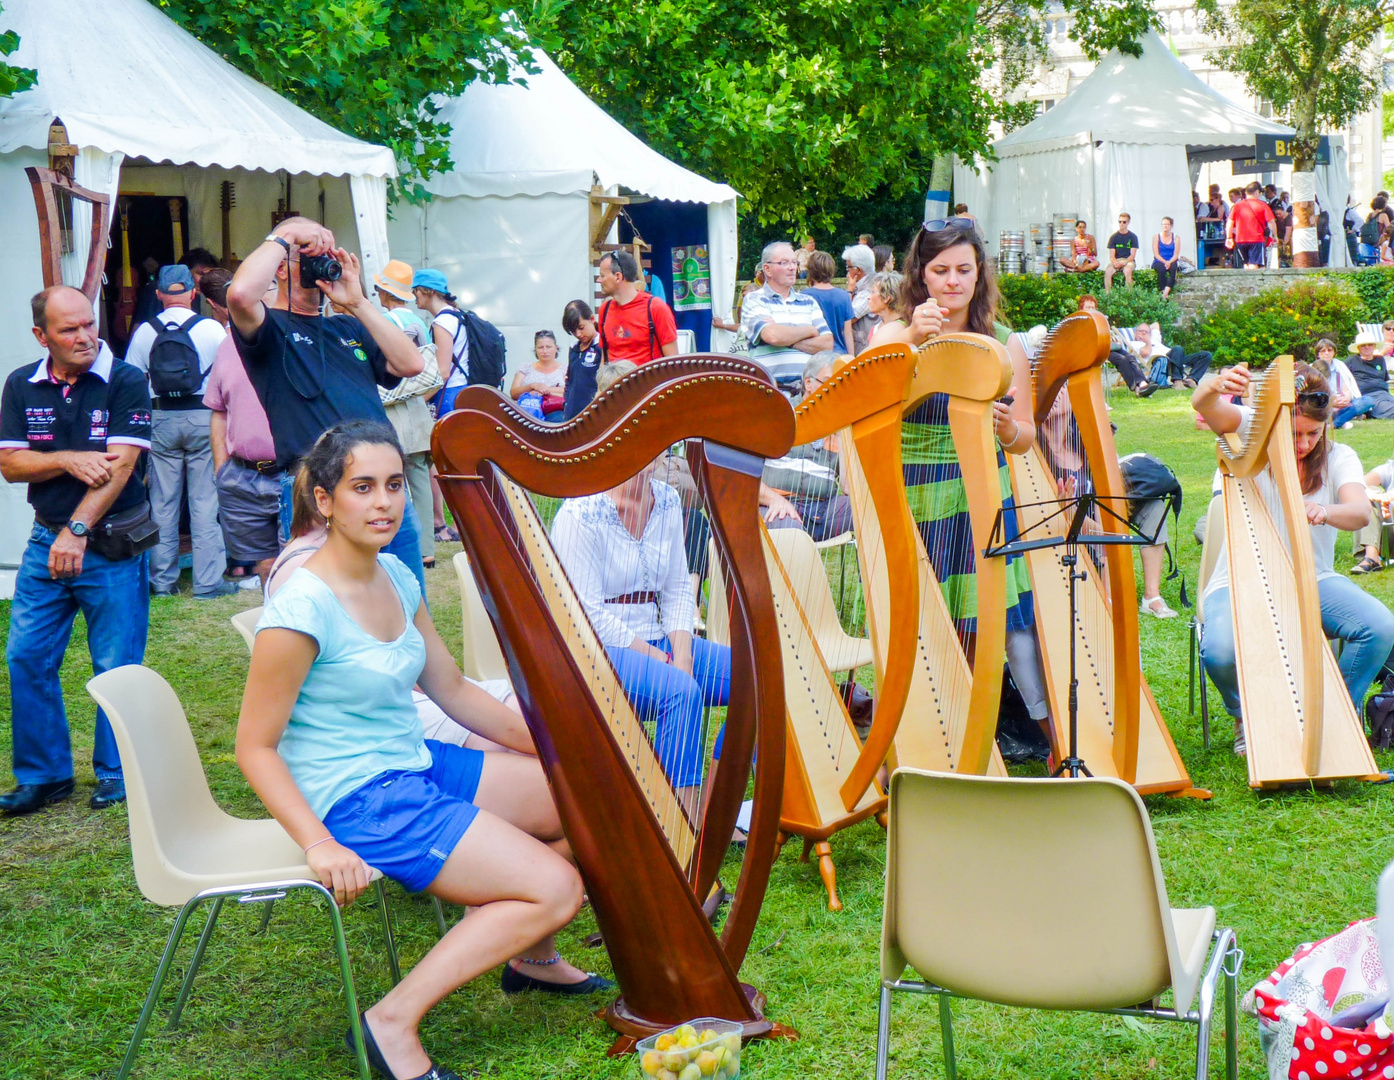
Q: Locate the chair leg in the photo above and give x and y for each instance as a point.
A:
(350, 998)
(883, 1033)
(387, 933)
(266, 916)
(1191, 672)
(1204, 710)
(828, 873)
(946, 1028)
(188, 983)
(1232, 1014)
(151, 998)
(440, 916)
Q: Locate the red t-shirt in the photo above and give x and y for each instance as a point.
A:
(627, 332)
(1250, 221)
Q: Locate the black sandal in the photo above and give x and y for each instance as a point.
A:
(1367, 565)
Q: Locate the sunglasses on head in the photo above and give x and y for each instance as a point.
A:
(940, 224)
(1318, 399)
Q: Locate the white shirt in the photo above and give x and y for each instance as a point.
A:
(1342, 467)
(603, 559)
(1342, 381)
(207, 336)
(452, 325)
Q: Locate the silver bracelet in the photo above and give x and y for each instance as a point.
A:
(1015, 434)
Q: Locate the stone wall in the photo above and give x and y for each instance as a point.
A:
(1202, 292)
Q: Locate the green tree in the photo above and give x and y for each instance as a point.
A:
(13, 80)
(795, 104)
(368, 67)
(1315, 61)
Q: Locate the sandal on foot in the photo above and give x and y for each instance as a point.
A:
(446, 535)
(1158, 607)
(1367, 565)
(428, 562)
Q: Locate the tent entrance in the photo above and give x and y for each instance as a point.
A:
(147, 232)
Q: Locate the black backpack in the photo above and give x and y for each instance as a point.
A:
(1369, 232)
(486, 363)
(1146, 479)
(175, 367)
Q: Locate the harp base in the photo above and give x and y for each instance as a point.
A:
(632, 1028)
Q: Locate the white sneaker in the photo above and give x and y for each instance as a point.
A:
(1157, 607)
(1348, 425)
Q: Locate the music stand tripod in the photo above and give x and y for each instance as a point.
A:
(1044, 534)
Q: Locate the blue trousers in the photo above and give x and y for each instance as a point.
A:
(406, 545)
(114, 598)
(673, 700)
(1347, 612)
(1364, 405)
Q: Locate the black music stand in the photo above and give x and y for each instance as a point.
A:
(1079, 510)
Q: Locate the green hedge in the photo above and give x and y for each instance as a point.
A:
(1044, 299)
(1279, 321)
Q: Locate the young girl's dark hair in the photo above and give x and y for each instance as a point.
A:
(1311, 470)
(925, 248)
(574, 314)
(323, 467)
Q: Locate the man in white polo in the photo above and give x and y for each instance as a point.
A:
(784, 327)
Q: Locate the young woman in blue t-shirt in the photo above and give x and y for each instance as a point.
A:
(330, 739)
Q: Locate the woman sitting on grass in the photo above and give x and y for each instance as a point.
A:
(329, 739)
(1333, 487)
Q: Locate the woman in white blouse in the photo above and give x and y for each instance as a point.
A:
(623, 552)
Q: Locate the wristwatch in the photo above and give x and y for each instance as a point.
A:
(272, 238)
(79, 529)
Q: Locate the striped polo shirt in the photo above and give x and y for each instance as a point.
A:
(766, 306)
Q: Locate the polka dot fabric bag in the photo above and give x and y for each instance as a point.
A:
(1295, 1006)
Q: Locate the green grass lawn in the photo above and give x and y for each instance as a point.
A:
(80, 944)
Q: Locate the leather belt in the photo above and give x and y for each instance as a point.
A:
(634, 598)
(266, 468)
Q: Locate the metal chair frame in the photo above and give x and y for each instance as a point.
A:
(1226, 958)
(263, 892)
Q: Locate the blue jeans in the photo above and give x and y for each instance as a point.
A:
(406, 545)
(1361, 406)
(114, 598)
(1348, 612)
(673, 699)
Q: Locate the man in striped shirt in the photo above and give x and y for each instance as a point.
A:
(783, 327)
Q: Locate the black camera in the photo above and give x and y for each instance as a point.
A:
(315, 268)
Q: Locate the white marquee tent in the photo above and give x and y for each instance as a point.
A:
(1131, 137)
(154, 112)
(508, 224)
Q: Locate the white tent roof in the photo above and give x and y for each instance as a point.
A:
(548, 137)
(124, 78)
(1152, 99)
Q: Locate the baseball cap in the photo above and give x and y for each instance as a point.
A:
(430, 279)
(175, 280)
(860, 256)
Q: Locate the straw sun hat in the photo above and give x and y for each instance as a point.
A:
(1365, 337)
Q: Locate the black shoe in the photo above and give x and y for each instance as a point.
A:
(27, 798)
(108, 793)
(515, 982)
(1147, 389)
(375, 1058)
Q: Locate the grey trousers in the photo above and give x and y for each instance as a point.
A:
(180, 456)
(419, 484)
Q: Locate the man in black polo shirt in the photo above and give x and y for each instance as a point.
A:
(312, 372)
(73, 427)
(1122, 246)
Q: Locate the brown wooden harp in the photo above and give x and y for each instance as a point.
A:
(1121, 730)
(646, 863)
(53, 196)
(1298, 718)
(950, 719)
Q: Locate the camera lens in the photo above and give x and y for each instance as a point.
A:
(315, 268)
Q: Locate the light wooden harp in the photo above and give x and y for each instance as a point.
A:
(646, 863)
(1299, 722)
(1121, 730)
(949, 722)
(53, 198)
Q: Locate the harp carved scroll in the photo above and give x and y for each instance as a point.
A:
(1121, 729)
(648, 858)
(1298, 718)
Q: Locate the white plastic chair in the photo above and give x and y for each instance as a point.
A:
(1042, 894)
(187, 851)
(245, 623)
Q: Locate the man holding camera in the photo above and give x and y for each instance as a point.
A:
(311, 371)
(73, 426)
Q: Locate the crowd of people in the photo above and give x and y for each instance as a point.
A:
(295, 417)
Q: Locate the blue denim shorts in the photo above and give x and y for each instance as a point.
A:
(406, 824)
